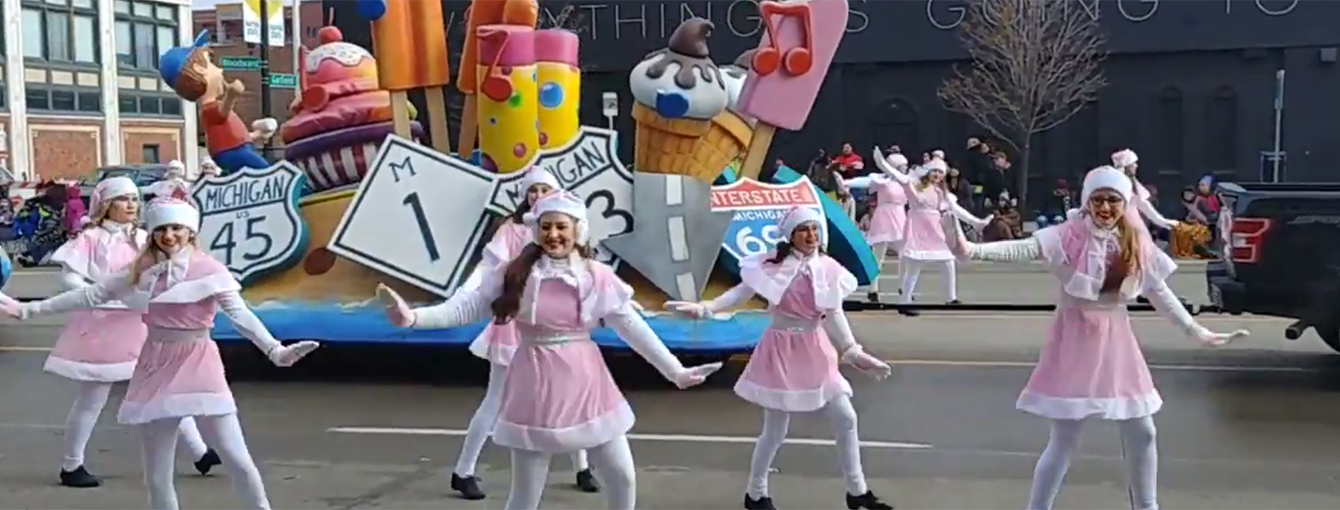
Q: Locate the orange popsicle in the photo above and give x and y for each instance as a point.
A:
(411, 45)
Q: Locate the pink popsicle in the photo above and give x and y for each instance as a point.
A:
(781, 98)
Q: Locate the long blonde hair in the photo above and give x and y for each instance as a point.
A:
(1128, 257)
(149, 256)
(105, 210)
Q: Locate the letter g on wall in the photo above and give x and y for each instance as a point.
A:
(951, 13)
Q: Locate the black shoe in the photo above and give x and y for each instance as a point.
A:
(763, 503)
(908, 312)
(955, 302)
(867, 501)
(79, 478)
(468, 486)
(207, 462)
(872, 296)
(586, 481)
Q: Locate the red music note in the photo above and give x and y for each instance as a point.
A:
(495, 85)
(795, 61)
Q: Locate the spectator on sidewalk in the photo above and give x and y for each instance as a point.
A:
(849, 162)
(996, 179)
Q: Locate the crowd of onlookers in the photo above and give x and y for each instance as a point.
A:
(981, 178)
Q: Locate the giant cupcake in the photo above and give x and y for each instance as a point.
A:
(338, 123)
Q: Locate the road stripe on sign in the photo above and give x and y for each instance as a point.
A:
(679, 238)
(659, 438)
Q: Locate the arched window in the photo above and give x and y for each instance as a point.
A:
(1221, 129)
(897, 123)
(1170, 131)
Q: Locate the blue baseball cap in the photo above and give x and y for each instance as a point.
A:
(173, 60)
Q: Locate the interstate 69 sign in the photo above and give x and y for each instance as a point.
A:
(758, 207)
(250, 221)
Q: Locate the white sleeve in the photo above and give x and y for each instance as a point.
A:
(1018, 250)
(858, 182)
(732, 298)
(463, 308)
(893, 173)
(246, 322)
(839, 332)
(634, 330)
(83, 298)
(472, 283)
(1163, 300)
(962, 214)
(1150, 213)
(72, 280)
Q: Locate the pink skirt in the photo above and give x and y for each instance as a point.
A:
(887, 223)
(560, 397)
(179, 374)
(497, 343)
(924, 239)
(98, 346)
(1091, 366)
(792, 371)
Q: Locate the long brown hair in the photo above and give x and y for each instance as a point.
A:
(784, 249)
(1127, 259)
(518, 216)
(508, 303)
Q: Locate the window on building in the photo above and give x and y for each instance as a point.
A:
(51, 98)
(133, 102)
(144, 30)
(149, 153)
(60, 31)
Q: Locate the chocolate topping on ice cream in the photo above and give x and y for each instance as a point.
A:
(688, 48)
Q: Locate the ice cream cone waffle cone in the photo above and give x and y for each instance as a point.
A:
(667, 146)
(727, 140)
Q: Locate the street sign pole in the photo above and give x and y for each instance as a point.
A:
(265, 63)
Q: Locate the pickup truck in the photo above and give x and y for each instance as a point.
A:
(1281, 255)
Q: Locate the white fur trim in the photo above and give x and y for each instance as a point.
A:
(898, 161)
(1124, 158)
(591, 434)
(1106, 177)
(176, 406)
(1062, 408)
(829, 289)
(163, 212)
(196, 290)
(108, 189)
(537, 175)
(89, 372)
(793, 401)
(797, 216)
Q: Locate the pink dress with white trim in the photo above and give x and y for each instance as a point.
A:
(99, 345)
(1092, 364)
(889, 218)
(180, 372)
(924, 238)
(794, 367)
(497, 343)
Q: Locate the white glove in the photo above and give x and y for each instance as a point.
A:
(287, 355)
(397, 310)
(986, 222)
(863, 361)
(690, 377)
(13, 308)
(695, 310)
(1213, 339)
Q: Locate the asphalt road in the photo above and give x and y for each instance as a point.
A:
(979, 283)
(1249, 426)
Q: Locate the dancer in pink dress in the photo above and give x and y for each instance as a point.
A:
(99, 347)
(559, 396)
(794, 368)
(179, 373)
(889, 217)
(923, 241)
(1092, 366)
(1127, 161)
(498, 343)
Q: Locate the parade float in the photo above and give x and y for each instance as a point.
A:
(360, 201)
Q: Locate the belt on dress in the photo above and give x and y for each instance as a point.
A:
(161, 334)
(792, 324)
(544, 337)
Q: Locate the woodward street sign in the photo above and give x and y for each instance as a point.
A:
(240, 63)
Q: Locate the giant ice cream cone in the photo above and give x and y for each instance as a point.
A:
(678, 91)
(727, 140)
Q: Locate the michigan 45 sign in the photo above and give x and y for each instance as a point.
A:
(758, 207)
(250, 219)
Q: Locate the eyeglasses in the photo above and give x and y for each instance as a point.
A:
(1106, 199)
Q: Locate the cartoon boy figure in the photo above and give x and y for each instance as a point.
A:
(194, 77)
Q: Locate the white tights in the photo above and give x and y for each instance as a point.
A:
(912, 271)
(1139, 448)
(613, 460)
(842, 420)
(881, 254)
(225, 433)
(481, 426)
(84, 416)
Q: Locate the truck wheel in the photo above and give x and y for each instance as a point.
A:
(1330, 335)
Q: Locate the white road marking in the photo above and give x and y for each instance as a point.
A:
(688, 288)
(679, 238)
(674, 190)
(660, 438)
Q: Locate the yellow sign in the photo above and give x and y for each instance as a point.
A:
(251, 22)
